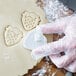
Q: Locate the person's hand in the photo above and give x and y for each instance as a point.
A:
(67, 44)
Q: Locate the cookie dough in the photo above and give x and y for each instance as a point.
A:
(16, 60)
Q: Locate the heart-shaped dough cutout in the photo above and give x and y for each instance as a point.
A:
(12, 35)
(30, 20)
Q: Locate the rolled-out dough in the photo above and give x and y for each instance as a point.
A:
(15, 60)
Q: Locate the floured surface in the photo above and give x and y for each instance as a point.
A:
(15, 60)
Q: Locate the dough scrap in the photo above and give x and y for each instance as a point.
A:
(30, 20)
(12, 35)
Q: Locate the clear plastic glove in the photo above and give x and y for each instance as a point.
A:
(67, 44)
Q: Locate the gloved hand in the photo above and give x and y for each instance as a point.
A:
(67, 44)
